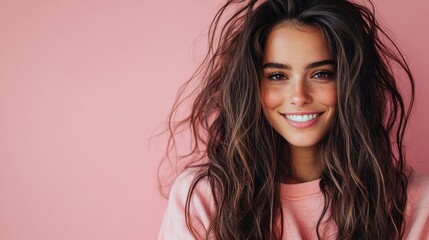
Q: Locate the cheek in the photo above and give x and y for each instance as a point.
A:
(327, 95)
(271, 98)
(332, 96)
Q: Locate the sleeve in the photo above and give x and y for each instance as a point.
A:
(174, 225)
(417, 217)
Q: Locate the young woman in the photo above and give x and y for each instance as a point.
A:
(302, 127)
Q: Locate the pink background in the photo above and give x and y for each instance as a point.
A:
(83, 87)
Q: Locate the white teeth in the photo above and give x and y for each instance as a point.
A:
(302, 118)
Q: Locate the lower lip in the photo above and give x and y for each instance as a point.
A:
(306, 124)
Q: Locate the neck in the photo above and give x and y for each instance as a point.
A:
(305, 164)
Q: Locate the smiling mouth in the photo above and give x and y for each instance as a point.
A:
(302, 117)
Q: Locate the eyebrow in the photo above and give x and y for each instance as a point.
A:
(310, 65)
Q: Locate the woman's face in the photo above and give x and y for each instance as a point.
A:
(298, 84)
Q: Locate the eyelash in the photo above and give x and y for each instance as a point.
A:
(271, 76)
(327, 75)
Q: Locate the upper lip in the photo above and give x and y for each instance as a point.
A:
(301, 113)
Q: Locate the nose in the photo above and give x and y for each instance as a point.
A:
(300, 94)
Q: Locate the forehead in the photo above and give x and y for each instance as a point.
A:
(289, 42)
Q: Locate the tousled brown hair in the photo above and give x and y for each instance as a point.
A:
(364, 178)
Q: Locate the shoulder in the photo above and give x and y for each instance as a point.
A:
(189, 183)
(417, 212)
(193, 183)
(418, 188)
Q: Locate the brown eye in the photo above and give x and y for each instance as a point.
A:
(277, 77)
(323, 75)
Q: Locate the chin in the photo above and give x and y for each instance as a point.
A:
(303, 142)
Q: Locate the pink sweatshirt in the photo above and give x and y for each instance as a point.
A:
(302, 206)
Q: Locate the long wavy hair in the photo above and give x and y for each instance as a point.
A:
(364, 176)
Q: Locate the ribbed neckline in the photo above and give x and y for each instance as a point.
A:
(300, 190)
